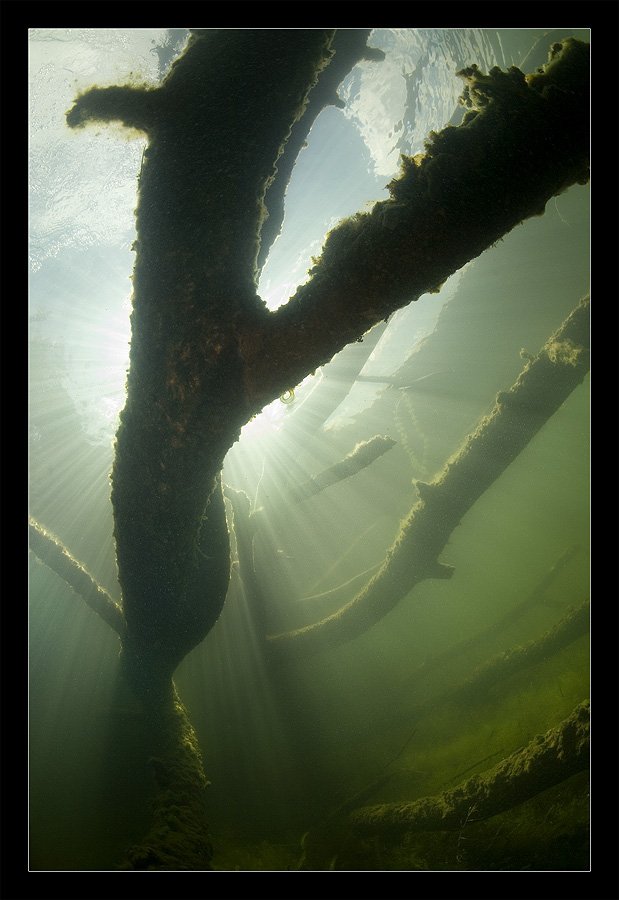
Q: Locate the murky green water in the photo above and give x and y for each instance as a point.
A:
(292, 747)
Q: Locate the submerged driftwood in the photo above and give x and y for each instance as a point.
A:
(571, 627)
(531, 600)
(544, 384)
(547, 760)
(493, 673)
(56, 557)
(206, 354)
(359, 458)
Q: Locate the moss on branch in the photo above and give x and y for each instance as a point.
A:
(216, 127)
(132, 106)
(524, 140)
(547, 760)
(178, 837)
(55, 555)
(475, 688)
(543, 385)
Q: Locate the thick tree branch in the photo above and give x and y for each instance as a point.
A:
(215, 128)
(547, 760)
(519, 413)
(522, 141)
(53, 554)
(349, 47)
(205, 352)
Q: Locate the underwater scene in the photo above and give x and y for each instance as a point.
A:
(309, 450)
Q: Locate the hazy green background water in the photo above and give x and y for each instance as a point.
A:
(283, 748)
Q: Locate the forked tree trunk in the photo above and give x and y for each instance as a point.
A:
(206, 354)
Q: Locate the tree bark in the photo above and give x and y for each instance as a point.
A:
(178, 836)
(547, 760)
(56, 557)
(522, 141)
(519, 413)
(206, 354)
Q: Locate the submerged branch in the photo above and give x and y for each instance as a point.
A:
(179, 836)
(55, 556)
(531, 600)
(519, 413)
(522, 141)
(335, 383)
(573, 626)
(206, 354)
(547, 760)
(493, 673)
(340, 587)
(349, 47)
(359, 458)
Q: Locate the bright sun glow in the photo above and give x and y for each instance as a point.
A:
(268, 421)
(293, 742)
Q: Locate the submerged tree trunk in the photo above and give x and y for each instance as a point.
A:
(178, 837)
(206, 354)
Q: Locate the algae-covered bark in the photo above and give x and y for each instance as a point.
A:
(51, 551)
(359, 457)
(178, 836)
(523, 140)
(547, 760)
(215, 128)
(543, 385)
(206, 354)
(571, 627)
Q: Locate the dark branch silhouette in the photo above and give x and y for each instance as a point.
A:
(206, 354)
